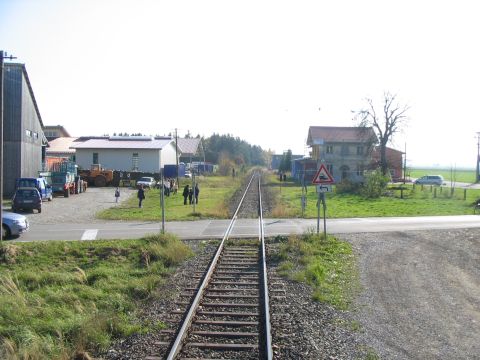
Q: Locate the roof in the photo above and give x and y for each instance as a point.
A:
(60, 128)
(188, 146)
(61, 145)
(320, 134)
(123, 143)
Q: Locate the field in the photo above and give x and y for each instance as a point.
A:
(417, 201)
(61, 299)
(215, 192)
(466, 176)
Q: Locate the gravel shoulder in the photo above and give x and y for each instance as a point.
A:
(421, 293)
(79, 208)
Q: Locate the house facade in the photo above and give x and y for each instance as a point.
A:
(23, 138)
(394, 162)
(345, 151)
(126, 153)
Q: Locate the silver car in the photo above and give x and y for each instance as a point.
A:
(430, 180)
(13, 224)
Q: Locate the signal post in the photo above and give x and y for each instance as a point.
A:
(323, 181)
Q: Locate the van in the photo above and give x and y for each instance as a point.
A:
(40, 184)
(430, 180)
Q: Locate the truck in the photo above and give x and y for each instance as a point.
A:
(97, 175)
(63, 178)
(43, 187)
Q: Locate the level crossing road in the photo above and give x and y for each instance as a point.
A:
(214, 229)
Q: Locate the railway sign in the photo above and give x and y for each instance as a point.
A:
(324, 188)
(322, 176)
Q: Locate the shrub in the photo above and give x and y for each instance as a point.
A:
(375, 184)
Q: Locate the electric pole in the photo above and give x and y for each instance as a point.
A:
(2, 57)
(176, 153)
(477, 174)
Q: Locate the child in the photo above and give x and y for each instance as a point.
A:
(117, 194)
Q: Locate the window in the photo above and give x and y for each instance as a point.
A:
(360, 170)
(95, 158)
(330, 169)
(28, 133)
(359, 150)
(35, 135)
(329, 149)
(135, 162)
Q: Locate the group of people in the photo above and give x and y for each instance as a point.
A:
(191, 194)
(170, 186)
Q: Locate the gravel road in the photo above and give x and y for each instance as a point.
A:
(80, 208)
(421, 293)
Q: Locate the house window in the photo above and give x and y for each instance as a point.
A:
(35, 135)
(359, 150)
(135, 162)
(95, 158)
(330, 169)
(344, 149)
(28, 133)
(360, 170)
(329, 149)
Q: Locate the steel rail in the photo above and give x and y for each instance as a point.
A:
(177, 345)
(266, 301)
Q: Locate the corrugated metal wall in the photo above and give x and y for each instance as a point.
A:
(22, 153)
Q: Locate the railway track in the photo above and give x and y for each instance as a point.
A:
(228, 315)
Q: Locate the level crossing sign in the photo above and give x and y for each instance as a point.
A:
(322, 177)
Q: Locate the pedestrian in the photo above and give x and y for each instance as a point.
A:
(140, 196)
(185, 193)
(197, 191)
(190, 196)
(233, 172)
(174, 187)
(166, 185)
(117, 194)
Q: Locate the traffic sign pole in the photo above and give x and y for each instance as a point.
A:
(323, 180)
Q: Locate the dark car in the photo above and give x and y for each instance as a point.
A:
(27, 198)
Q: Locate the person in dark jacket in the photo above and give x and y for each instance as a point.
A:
(197, 191)
(190, 196)
(185, 193)
(140, 196)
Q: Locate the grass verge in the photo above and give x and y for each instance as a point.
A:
(326, 265)
(416, 201)
(215, 192)
(59, 300)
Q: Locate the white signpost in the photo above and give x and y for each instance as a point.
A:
(324, 182)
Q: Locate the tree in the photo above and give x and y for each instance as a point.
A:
(286, 162)
(386, 124)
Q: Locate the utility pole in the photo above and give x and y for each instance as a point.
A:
(176, 153)
(2, 57)
(477, 175)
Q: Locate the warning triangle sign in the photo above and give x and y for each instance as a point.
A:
(323, 176)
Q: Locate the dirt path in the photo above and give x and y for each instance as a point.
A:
(421, 297)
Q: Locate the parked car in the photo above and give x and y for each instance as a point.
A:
(188, 174)
(41, 184)
(13, 224)
(147, 182)
(27, 198)
(430, 180)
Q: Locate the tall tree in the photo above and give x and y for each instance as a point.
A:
(386, 123)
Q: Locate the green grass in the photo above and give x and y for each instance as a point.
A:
(416, 202)
(466, 176)
(327, 265)
(215, 192)
(59, 299)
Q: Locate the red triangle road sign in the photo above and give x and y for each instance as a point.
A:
(323, 176)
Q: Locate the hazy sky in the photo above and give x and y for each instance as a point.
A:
(261, 70)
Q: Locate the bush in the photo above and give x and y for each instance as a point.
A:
(375, 184)
(348, 187)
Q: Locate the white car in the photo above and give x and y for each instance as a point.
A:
(13, 224)
(147, 182)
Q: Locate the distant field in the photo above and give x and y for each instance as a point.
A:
(467, 176)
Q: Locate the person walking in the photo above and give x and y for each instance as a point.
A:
(197, 191)
(174, 187)
(140, 196)
(117, 194)
(185, 193)
(190, 196)
(166, 185)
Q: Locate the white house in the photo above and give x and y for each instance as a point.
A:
(126, 153)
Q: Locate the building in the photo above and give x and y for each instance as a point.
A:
(394, 162)
(23, 138)
(191, 149)
(55, 131)
(60, 147)
(345, 151)
(125, 153)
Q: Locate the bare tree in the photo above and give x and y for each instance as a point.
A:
(386, 124)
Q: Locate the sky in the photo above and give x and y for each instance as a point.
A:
(264, 71)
